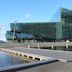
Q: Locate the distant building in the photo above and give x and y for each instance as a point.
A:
(59, 28)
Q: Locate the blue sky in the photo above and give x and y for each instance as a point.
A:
(28, 11)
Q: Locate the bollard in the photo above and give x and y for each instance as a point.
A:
(28, 46)
(38, 47)
(52, 47)
(66, 46)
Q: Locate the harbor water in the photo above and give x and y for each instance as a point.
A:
(7, 59)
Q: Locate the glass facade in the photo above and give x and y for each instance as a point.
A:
(60, 28)
(18, 36)
(39, 31)
(57, 16)
(66, 19)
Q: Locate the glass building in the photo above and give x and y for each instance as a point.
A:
(59, 28)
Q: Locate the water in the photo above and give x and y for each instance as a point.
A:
(7, 59)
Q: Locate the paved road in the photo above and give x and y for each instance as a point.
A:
(52, 67)
(66, 55)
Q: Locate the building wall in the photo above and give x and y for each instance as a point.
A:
(40, 31)
(59, 31)
(46, 31)
(66, 17)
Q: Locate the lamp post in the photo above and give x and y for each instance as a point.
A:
(21, 37)
(14, 30)
(0, 30)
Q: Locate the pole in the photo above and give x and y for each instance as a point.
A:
(14, 31)
(66, 46)
(52, 46)
(38, 47)
(28, 46)
(21, 37)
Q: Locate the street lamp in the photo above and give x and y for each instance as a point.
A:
(14, 30)
(21, 37)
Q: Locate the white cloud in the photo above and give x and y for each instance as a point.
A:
(27, 16)
(22, 18)
(1, 26)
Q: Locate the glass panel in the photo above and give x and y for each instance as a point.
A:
(56, 17)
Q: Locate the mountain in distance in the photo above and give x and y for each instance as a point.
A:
(1, 41)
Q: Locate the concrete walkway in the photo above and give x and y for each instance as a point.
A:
(60, 55)
(52, 67)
